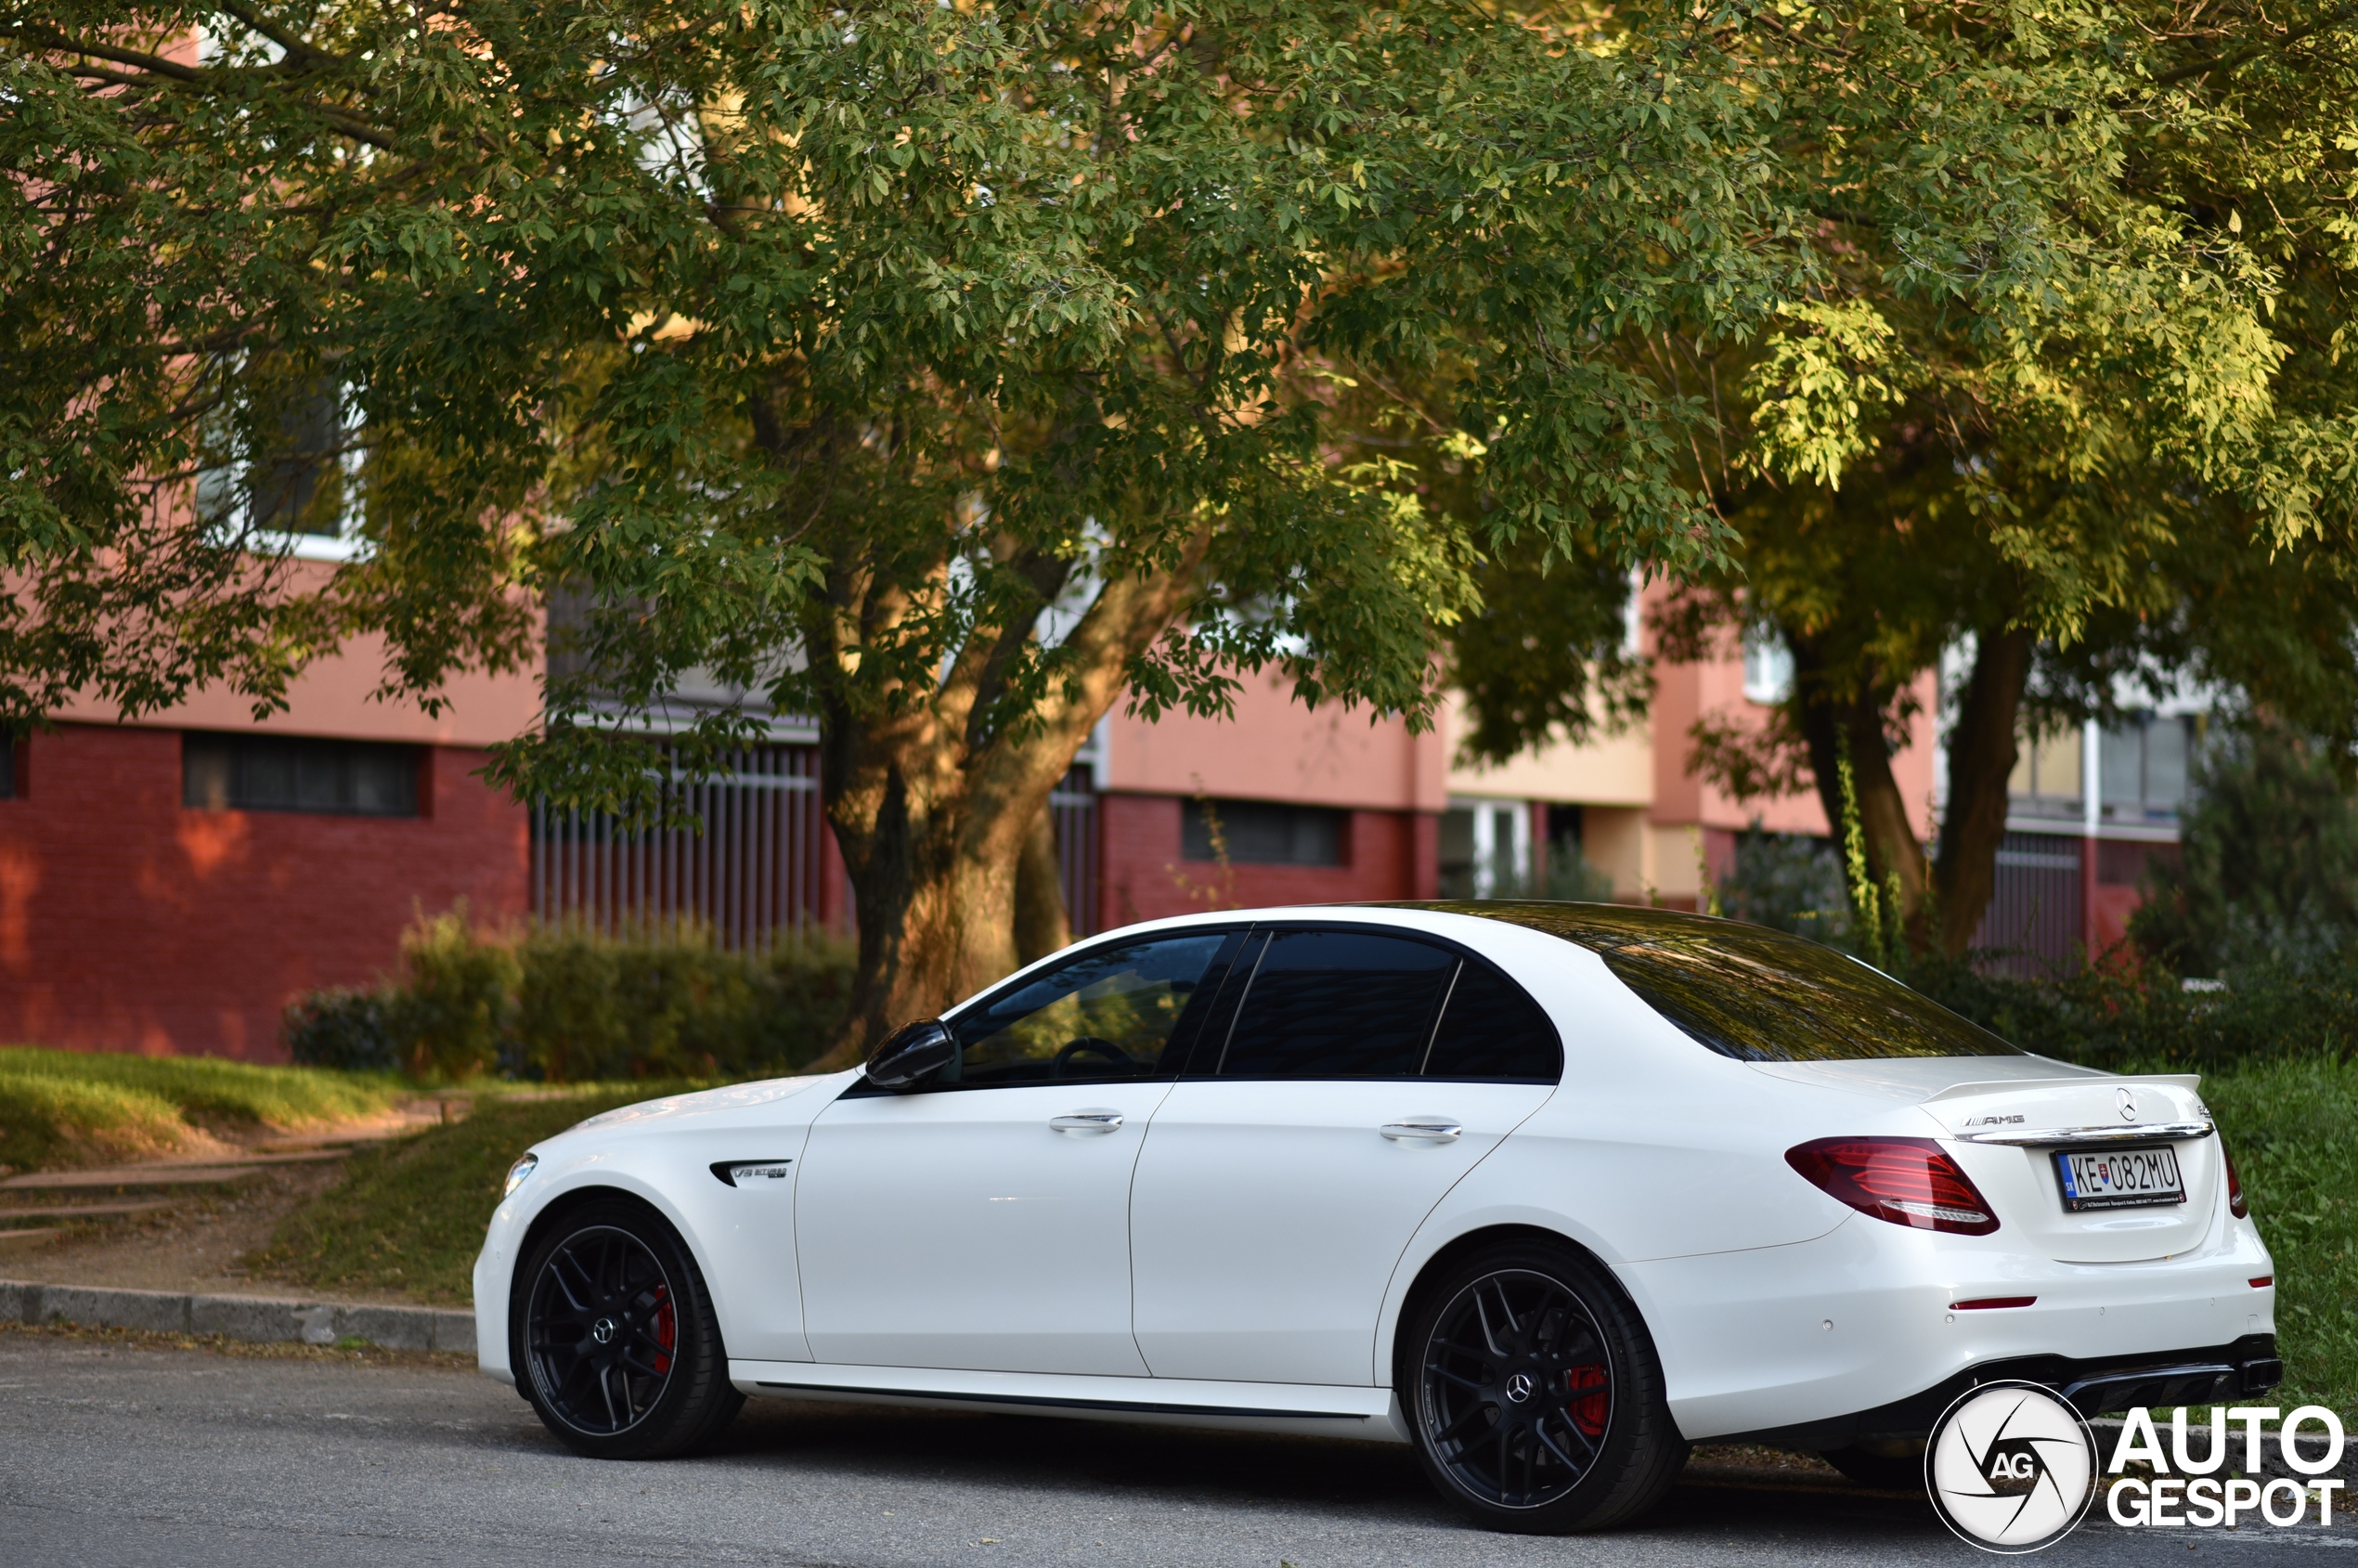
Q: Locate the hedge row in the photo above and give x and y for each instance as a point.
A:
(567, 1005)
(2123, 1013)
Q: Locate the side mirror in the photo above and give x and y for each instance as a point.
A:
(912, 1052)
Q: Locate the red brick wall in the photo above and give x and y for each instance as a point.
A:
(1391, 855)
(128, 923)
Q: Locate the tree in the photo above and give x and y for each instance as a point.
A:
(2270, 867)
(943, 370)
(2129, 451)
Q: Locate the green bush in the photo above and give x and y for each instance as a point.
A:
(671, 1005)
(357, 1030)
(1792, 881)
(2268, 870)
(456, 1002)
(2119, 1013)
(567, 1005)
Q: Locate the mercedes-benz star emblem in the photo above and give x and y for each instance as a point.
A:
(2128, 1106)
(2010, 1467)
(1519, 1387)
(602, 1330)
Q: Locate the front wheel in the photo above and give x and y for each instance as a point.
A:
(1533, 1394)
(613, 1338)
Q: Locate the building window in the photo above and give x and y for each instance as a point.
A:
(1767, 665)
(2142, 767)
(287, 477)
(7, 766)
(1485, 850)
(245, 772)
(1262, 833)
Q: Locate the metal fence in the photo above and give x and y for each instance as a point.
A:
(2034, 915)
(748, 870)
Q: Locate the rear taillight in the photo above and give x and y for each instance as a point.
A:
(1908, 1181)
(2236, 1205)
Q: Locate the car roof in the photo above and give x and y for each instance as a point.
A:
(1598, 927)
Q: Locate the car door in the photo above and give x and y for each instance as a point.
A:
(1356, 1075)
(982, 1221)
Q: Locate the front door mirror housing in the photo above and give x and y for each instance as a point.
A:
(912, 1052)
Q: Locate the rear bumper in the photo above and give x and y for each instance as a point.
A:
(2205, 1375)
(1872, 1319)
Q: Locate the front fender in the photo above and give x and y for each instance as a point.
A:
(741, 1237)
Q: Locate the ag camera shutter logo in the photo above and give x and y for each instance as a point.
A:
(2010, 1467)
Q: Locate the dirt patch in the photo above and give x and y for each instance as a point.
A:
(197, 1243)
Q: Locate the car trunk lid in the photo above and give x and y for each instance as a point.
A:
(2006, 1133)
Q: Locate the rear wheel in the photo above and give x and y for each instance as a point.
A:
(614, 1339)
(1533, 1394)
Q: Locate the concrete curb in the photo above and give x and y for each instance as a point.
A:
(257, 1319)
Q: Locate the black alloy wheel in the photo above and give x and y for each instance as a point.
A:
(618, 1348)
(1518, 1389)
(1535, 1394)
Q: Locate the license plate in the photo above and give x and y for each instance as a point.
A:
(2120, 1178)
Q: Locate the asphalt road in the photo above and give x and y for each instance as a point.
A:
(111, 1457)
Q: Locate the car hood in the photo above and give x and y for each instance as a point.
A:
(706, 1102)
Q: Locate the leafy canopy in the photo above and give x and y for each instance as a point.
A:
(866, 331)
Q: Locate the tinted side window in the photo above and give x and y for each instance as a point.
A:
(1335, 1005)
(1109, 1014)
(1490, 1029)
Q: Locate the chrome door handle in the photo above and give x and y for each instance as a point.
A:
(1087, 1122)
(1429, 1129)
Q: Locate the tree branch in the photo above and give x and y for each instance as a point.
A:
(2242, 57)
(299, 55)
(58, 43)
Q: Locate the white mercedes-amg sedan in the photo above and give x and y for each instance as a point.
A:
(1549, 1191)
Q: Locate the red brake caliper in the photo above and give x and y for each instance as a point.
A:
(1587, 1409)
(667, 1329)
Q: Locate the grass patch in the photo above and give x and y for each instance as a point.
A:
(2289, 1126)
(60, 1108)
(409, 1217)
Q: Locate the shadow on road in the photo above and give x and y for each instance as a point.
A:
(1225, 1469)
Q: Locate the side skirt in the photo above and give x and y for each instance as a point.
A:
(1306, 1409)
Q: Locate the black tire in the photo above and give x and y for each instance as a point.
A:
(1584, 1440)
(613, 1338)
(1888, 1464)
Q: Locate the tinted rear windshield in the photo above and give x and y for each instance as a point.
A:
(1752, 993)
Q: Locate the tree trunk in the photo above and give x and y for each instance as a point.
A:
(934, 819)
(1042, 923)
(1826, 715)
(1981, 758)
